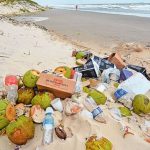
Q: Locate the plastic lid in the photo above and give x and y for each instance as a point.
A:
(49, 110)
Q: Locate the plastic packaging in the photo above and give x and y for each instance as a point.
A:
(77, 77)
(11, 85)
(72, 108)
(102, 63)
(125, 74)
(90, 69)
(12, 93)
(110, 74)
(125, 96)
(96, 111)
(57, 104)
(48, 125)
(136, 84)
(102, 87)
(139, 69)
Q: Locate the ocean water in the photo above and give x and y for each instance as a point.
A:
(134, 9)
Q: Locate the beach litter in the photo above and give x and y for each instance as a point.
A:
(89, 90)
(60, 132)
(98, 144)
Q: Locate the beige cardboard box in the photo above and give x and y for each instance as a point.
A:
(60, 87)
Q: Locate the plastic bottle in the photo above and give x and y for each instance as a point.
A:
(48, 125)
(12, 93)
(78, 77)
(11, 85)
(96, 111)
(125, 96)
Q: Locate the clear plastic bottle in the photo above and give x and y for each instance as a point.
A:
(12, 93)
(78, 77)
(11, 86)
(48, 125)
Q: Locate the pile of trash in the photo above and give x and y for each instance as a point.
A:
(46, 97)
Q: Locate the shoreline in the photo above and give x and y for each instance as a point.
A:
(102, 31)
(107, 12)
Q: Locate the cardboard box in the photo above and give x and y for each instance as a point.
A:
(60, 87)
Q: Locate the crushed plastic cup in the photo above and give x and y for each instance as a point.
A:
(57, 104)
(110, 74)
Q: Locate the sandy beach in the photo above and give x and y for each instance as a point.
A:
(103, 33)
(97, 30)
(27, 46)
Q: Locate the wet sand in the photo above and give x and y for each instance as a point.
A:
(96, 30)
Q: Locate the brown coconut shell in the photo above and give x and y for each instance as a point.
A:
(19, 137)
(60, 132)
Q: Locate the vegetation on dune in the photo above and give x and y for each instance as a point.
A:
(12, 1)
(23, 10)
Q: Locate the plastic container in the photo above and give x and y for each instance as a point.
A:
(136, 84)
(48, 125)
(12, 93)
(110, 74)
(11, 86)
(96, 111)
(125, 96)
(77, 77)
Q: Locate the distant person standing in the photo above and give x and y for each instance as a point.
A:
(76, 7)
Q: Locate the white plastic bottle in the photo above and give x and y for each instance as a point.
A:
(48, 125)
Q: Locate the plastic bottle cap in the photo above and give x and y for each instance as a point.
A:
(49, 110)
